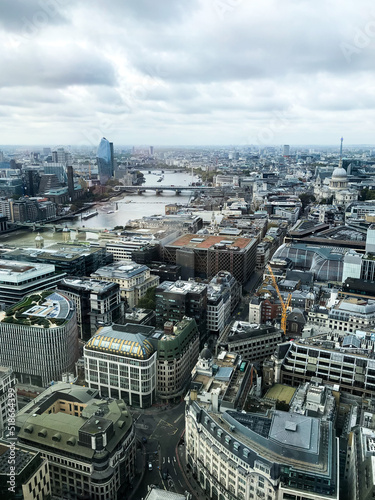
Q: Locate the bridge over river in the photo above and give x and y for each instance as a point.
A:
(161, 188)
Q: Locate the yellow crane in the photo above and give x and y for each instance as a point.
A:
(284, 305)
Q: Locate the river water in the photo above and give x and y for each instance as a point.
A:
(133, 206)
(130, 207)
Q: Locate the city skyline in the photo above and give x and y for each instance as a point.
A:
(221, 72)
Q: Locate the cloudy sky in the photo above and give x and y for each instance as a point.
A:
(180, 72)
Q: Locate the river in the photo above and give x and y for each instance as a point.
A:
(130, 207)
(133, 206)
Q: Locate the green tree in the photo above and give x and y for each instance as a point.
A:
(148, 301)
(306, 198)
(367, 194)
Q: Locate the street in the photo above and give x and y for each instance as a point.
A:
(162, 429)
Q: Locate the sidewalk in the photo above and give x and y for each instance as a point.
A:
(194, 486)
(139, 468)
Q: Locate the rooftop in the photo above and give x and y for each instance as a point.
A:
(182, 287)
(54, 252)
(208, 241)
(88, 284)
(125, 340)
(122, 269)
(45, 308)
(18, 271)
(61, 430)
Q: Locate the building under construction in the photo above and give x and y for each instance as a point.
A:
(204, 256)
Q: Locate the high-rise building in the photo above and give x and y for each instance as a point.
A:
(105, 160)
(98, 303)
(39, 338)
(286, 150)
(179, 299)
(69, 173)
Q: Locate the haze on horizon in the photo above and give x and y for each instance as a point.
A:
(181, 72)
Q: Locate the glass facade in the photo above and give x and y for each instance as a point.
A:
(104, 157)
(325, 263)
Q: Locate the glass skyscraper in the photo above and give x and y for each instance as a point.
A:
(105, 160)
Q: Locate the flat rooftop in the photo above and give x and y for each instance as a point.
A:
(208, 241)
(182, 286)
(88, 284)
(281, 392)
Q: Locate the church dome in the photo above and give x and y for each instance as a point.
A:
(339, 173)
(205, 352)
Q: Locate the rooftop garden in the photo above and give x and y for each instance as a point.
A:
(16, 314)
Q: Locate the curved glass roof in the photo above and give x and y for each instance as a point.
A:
(121, 343)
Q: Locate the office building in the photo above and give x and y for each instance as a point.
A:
(177, 354)
(140, 316)
(139, 364)
(348, 315)
(223, 295)
(74, 260)
(334, 357)
(89, 443)
(70, 178)
(360, 464)
(252, 342)
(205, 255)
(39, 338)
(105, 161)
(31, 210)
(134, 279)
(124, 249)
(179, 299)
(120, 361)
(236, 455)
(31, 474)
(97, 303)
(18, 279)
(286, 150)
(31, 181)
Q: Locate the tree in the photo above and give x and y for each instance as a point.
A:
(306, 198)
(148, 301)
(367, 194)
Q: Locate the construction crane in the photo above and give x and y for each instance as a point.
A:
(284, 305)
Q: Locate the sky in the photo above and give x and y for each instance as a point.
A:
(187, 72)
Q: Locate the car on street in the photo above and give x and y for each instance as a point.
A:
(149, 466)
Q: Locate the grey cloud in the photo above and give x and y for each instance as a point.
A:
(22, 15)
(58, 67)
(151, 11)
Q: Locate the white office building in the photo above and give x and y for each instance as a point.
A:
(121, 363)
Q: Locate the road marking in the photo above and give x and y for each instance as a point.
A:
(178, 418)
